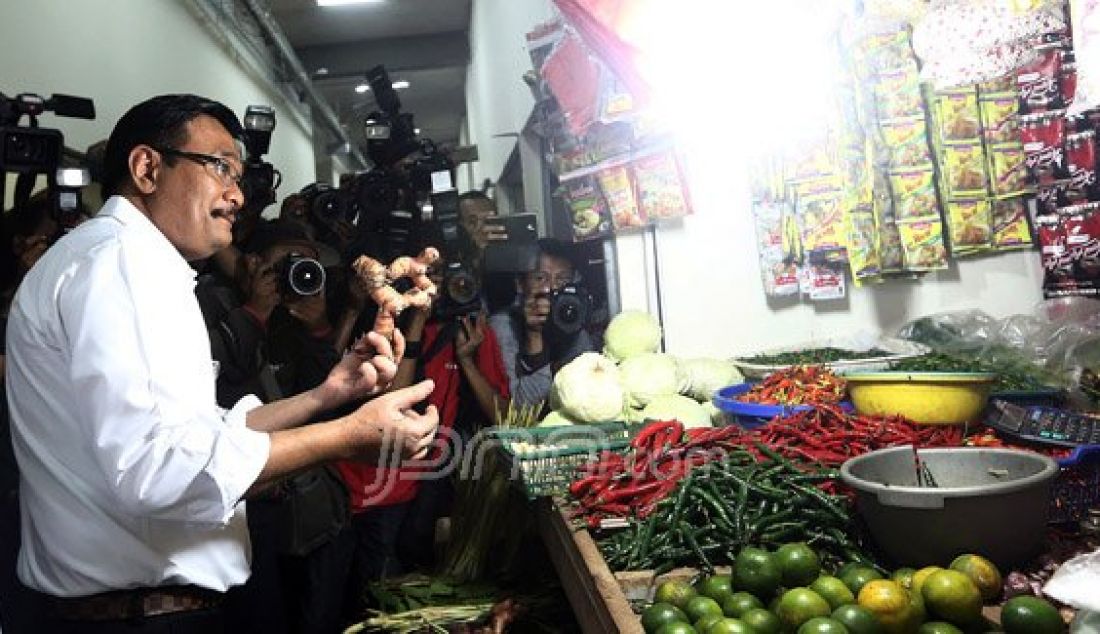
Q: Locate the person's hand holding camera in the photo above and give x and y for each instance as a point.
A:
(263, 292)
(469, 336)
(536, 310)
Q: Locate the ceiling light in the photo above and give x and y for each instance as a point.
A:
(362, 88)
(400, 84)
(340, 3)
(416, 130)
(321, 71)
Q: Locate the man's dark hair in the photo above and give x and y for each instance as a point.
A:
(161, 122)
(473, 194)
(558, 249)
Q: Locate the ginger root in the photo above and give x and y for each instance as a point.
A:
(379, 279)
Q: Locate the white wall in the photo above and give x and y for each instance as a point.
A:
(713, 301)
(497, 100)
(120, 52)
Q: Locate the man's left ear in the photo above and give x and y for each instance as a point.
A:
(144, 164)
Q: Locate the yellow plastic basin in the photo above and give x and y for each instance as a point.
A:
(932, 398)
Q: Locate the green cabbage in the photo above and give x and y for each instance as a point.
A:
(555, 419)
(703, 377)
(677, 407)
(717, 416)
(648, 375)
(589, 390)
(630, 333)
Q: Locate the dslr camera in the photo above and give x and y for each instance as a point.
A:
(260, 179)
(300, 275)
(28, 151)
(460, 293)
(570, 311)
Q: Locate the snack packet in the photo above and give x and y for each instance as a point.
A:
(970, 223)
(588, 209)
(1052, 196)
(1010, 224)
(1081, 165)
(824, 282)
(958, 115)
(660, 189)
(898, 95)
(1043, 135)
(914, 193)
(1007, 170)
(619, 192)
(778, 272)
(964, 171)
(922, 243)
(821, 219)
(999, 124)
(1037, 81)
(907, 141)
(863, 240)
(1070, 251)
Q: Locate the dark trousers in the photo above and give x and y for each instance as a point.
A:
(198, 622)
(20, 609)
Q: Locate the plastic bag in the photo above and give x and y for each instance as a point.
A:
(1076, 581)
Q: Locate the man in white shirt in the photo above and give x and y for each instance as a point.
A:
(132, 478)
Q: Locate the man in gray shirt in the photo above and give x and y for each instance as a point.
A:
(531, 351)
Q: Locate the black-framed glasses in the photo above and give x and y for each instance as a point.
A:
(216, 166)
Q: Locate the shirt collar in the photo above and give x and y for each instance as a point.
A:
(122, 210)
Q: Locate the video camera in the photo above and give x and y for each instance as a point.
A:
(30, 151)
(260, 179)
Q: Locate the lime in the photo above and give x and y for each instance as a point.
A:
(798, 564)
(762, 621)
(730, 626)
(755, 571)
(888, 601)
(677, 627)
(659, 614)
(919, 577)
(717, 587)
(858, 619)
(952, 596)
(822, 625)
(857, 576)
(703, 624)
(678, 593)
(698, 607)
(983, 573)
(904, 576)
(938, 627)
(799, 605)
(740, 602)
(1031, 615)
(833, 590)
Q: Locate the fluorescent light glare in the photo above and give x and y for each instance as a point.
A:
(362, 88)
(416, 130)
(342, 3)
(400, 84)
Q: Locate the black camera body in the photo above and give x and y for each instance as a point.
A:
(28, 150)
(460, 293)
(300, 275)
(260, 179)
(570, 312)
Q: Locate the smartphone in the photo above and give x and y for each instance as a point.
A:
(516, 228)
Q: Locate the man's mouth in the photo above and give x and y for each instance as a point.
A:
(227, 214)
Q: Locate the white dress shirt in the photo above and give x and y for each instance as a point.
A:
(131, 476)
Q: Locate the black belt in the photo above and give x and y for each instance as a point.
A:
(121, 605)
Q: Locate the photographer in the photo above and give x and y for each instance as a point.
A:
(532, 349)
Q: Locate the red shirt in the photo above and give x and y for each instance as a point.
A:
(382, 485)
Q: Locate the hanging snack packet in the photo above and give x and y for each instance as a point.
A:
(922, 242)
(1081, 165)
(1044, 136)
(619, 192)
(914, 193)
(907, 140)
(1058, 277)
(1007, 170)
(1002, 84)
(821, 218)
(1069, 81)
(1038, 81)
(897, 94)
(1052, 196)
(778, 272)
(999, 124)
(964, 171)
(958, 114)
(824, 282)
(863, 238)
(1010, 225)
(660, 188)
(971, 226)
(588, 209)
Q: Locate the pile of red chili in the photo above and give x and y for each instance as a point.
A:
(797, 385)
(829, 436)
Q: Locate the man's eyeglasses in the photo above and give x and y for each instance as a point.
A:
(541, 278)
(217, 166)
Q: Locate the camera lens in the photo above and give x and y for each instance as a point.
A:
(461, 287)
(303, 276)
